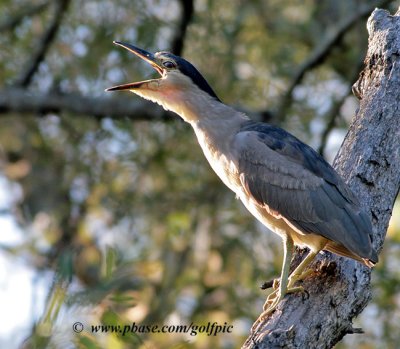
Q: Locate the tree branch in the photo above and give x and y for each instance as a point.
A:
(27, 11)
(321, 52)
(333, 112)
(369, 161)
(43, 46)
(331, 117)
(186, 17)
(19, 100)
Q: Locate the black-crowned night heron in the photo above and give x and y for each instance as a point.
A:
(283, 182)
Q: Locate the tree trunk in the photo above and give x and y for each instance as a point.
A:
(369, 161)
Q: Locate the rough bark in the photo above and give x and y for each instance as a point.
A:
(369, 160)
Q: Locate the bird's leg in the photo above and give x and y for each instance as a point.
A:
(286, 283)
(299, 273)
(276, 296)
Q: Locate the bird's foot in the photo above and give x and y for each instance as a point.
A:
(275, 283)
(273, 300)
(275, 297)
(268, 310)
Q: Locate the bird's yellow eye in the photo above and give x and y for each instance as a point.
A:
(169, 64)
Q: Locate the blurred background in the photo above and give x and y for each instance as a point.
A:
(109, 213)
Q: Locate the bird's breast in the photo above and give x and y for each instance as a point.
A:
(225, 167)
(218, 154)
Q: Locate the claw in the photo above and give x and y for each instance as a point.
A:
(270, 299)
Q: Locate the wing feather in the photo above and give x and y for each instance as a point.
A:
(290, 178)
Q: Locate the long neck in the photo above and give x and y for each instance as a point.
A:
(209, 117)
(215, 125)
(213, 122)
(201, 110)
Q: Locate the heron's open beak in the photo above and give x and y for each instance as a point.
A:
(148, 57)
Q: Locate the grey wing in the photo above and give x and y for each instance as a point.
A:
(289, 177)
